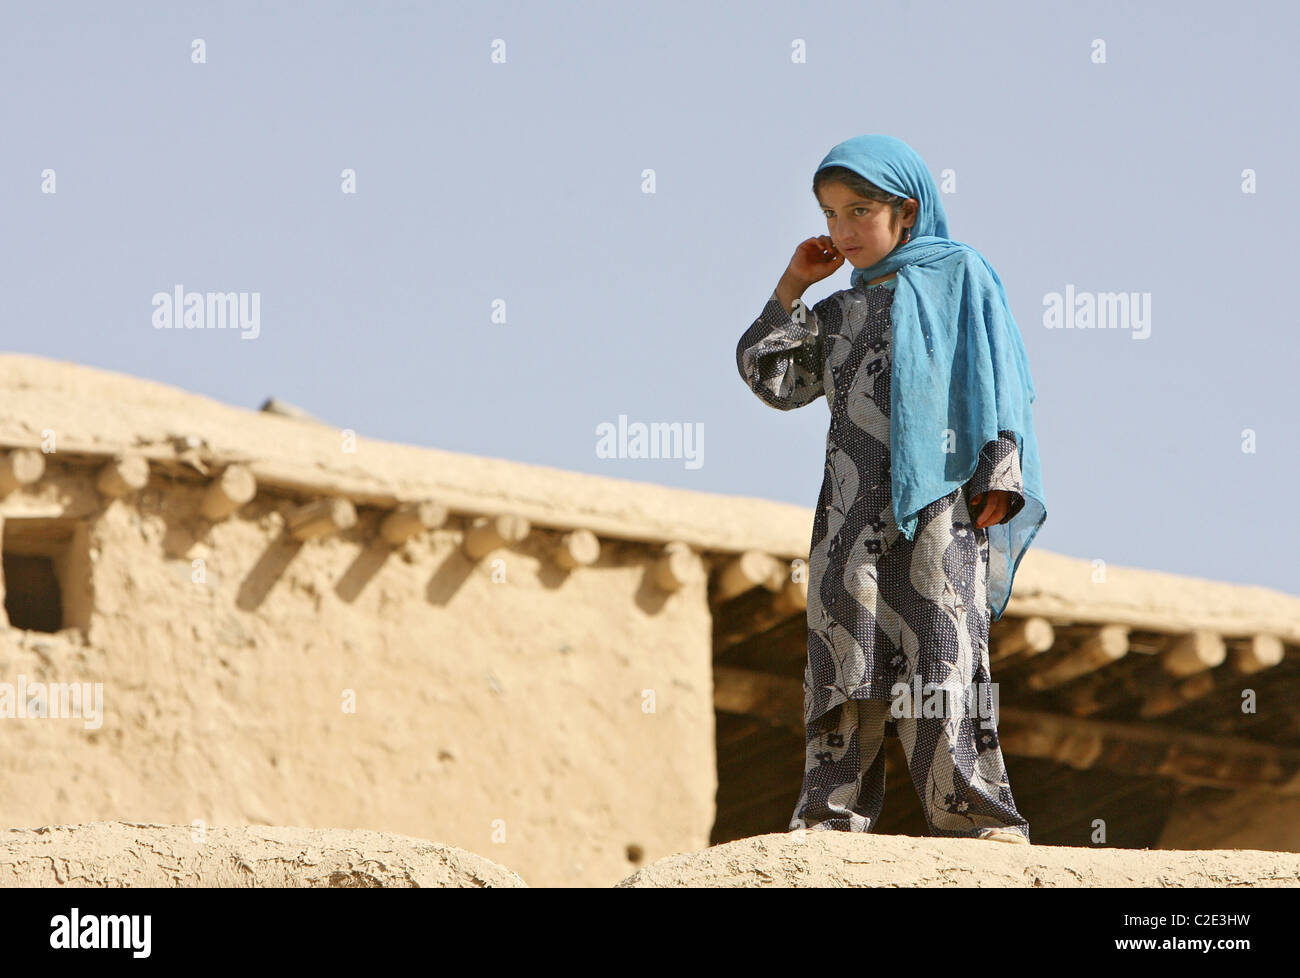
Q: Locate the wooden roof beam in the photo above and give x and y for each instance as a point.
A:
(1141, 749)
(1105, 645)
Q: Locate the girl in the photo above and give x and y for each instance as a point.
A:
(931, 494)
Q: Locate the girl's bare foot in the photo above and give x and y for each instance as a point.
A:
(1004, 835)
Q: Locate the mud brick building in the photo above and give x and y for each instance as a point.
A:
(568, 674)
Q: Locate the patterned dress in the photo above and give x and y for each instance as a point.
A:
(883, 609)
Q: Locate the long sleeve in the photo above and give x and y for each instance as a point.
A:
(780, 355)
(999, 468)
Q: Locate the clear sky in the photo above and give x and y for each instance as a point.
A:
(500, 153)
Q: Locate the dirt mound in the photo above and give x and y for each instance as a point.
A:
(838, 859)
(109, 854)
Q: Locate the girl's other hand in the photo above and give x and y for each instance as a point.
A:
(998, 505)
(814, 260)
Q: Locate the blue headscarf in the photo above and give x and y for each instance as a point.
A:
(959, 363)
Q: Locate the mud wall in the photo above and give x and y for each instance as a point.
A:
(557, 722)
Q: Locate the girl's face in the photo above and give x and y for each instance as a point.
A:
(858, 227)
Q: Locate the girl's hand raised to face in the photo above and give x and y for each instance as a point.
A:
(998, 505)
(815, 259)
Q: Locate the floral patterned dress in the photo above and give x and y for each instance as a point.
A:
(882, 609)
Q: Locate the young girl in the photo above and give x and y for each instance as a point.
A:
(931, 494)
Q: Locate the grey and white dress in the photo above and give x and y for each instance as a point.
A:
(883, 609)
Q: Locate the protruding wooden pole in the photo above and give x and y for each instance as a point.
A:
(1194, 653)
(792, 598)
(776, 699)
(1257, 653)
(123, 475)
(227, 492)
(1080, 751)
(580, 548)
(781, 575)
(1176, 696)
(759, 610)
(1107, 644)
(1031, 636)
(750, 570)
(678, 567)
(20, 467)
(487, 533)
(321, 517)
(410, 519)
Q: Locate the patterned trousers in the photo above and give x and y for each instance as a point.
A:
(955, 763)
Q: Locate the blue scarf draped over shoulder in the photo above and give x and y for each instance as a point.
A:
(960, 373)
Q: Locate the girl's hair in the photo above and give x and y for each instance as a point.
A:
(861, 186)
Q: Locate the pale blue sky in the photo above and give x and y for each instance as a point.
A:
(522, 182)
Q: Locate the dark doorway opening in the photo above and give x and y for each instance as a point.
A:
(46, 571)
